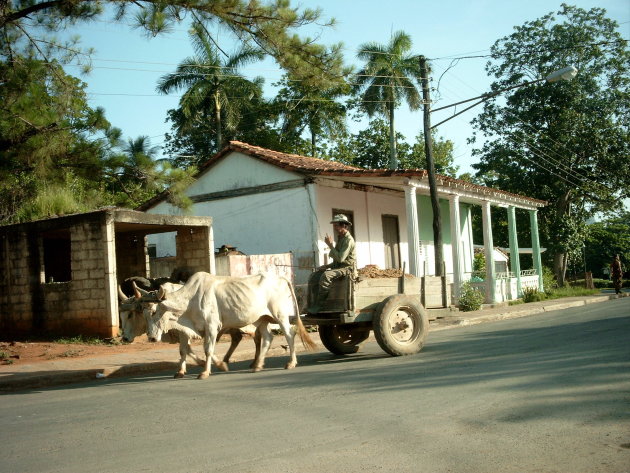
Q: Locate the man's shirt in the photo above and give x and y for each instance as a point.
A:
(344, 253)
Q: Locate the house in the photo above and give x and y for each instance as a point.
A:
(264, 201)
(60, 275)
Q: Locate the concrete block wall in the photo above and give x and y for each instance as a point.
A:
(30, 305)
(15, 284)
(79, 306)
(193, 249)
(132, 257)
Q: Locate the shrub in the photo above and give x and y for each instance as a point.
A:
(531, 294)
(549, 279)
(470, 298)
(479, 262)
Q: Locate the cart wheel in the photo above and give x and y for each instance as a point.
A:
(343, 339)
(401, 326)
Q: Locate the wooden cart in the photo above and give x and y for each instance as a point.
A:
(389, 306)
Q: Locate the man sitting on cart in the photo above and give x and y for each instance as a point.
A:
(344, 259)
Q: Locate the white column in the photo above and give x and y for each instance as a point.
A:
(489, 252)
(312, 200)
(413, 235)
(515, 262)
(456, 239)
(533, 219)
(213, 267)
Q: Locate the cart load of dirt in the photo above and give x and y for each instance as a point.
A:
(373, 271)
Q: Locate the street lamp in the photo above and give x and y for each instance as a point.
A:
(566, 73)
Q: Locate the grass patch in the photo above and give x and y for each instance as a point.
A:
(516, 302)
(80, 340)
(70, 353)
(533, 295)
(560, 292)
(5, 358)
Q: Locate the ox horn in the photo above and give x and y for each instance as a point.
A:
(121, 295)
(137, 291)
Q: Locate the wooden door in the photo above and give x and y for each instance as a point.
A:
(391, 240)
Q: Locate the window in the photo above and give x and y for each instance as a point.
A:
(57, 257)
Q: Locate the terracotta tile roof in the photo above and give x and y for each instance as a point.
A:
(293, 162)
(323, 167)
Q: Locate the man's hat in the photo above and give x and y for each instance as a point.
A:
(341, 218)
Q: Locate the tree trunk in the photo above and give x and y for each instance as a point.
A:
(393, 159)
(313, 143)
(560, 259)
(217, 120)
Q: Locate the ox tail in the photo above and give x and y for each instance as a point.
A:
(307, 341)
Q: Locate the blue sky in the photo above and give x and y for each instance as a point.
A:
(127, 65)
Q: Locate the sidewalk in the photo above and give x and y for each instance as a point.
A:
(76, 370)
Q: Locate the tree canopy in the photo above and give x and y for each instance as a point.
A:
(270, 26)
(369, 148)
(565, 142)
(604, 240)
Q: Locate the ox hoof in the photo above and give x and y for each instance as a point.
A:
(223, 366)
(290, 365)
(256, 369)
(203, 376)
(179, 375)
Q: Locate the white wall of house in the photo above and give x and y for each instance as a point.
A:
(281, 221)
(368, 209)
(263, 223)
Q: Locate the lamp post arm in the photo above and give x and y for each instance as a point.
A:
(458, 113)
(483, 98)
(488, 95)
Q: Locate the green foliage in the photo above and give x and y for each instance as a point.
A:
(80, 340)
(597, 283)
(566, 142)
(49, 139)
(55, 200)
(606, 239)
(214, 90)
(479, 262)
(531, 294)
(470, 299)
(549, 279)
(301, 107)
(571, 292)
(270, 26)
(369, 148)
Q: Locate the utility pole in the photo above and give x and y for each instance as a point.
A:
(428, 148)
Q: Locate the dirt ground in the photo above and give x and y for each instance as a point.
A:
(28, 352)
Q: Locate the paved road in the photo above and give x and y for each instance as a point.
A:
(547, 393)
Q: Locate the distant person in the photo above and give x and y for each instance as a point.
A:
(344, 259)
(616, 274)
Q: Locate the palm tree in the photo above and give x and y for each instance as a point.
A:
(139, 156)
(213, 85)
(389, 76)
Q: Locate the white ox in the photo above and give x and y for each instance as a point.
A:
(134, 314)
(207, 304)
